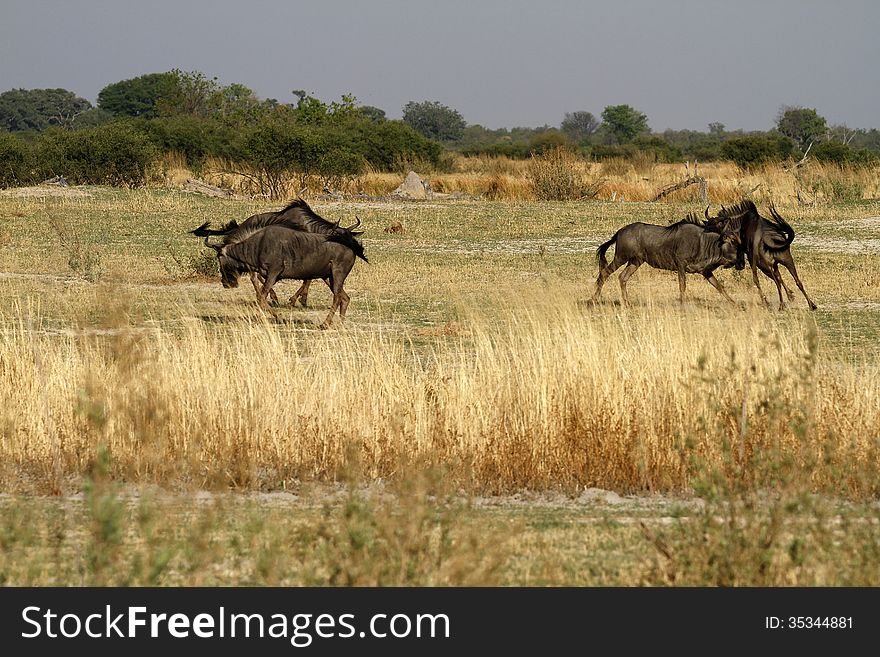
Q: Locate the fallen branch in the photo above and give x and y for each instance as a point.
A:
(800, 162)
(687, 182)
(200, 187)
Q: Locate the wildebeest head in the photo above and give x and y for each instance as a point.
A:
(728, 226)
(731, 251)
(230, 270)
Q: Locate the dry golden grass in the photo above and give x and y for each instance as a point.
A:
(498, 178)
(466, 353)
(530, 395)
(466, 347)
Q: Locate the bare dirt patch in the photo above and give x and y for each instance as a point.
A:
(839, 244)
(40, 191)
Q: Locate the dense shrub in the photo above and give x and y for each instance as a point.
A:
(754, 150)
(15, 161)
(386, 143)
(838, 153)
(196, 139)
(654, 148)
(113, 154)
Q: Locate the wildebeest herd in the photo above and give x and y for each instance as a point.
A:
(296, 243)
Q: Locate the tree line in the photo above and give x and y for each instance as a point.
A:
(622, 131)
(48, 132)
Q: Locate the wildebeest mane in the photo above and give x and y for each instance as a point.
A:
(234, 233)
(299, 213)
(734, 215)
(690, 218)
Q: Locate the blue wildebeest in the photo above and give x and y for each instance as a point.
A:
(687, 246)
(766, 244)
(296, 216)
(275, 251)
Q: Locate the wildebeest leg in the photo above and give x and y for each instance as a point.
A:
(343, 303)
(271, 277)
(254, 278)
(604, 273)
(781, 281)
(788, 263)
(714, 282)
(340, 298)
(682, 285)
(302, 294)
(776, 278)
(758, 284)
(624, 277)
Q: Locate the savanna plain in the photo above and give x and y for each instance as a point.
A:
(475, 420)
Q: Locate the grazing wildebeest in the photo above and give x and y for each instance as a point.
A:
(686, 246)
(766, 244)
(296, 216)
(275, 251)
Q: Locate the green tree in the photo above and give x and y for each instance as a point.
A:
(716, 129)
(624, 123)
(308, 108)
(191, 92)
(137, 97)
(433, 120)
(579, 126)
(801, 124)
(38, 109)
(239, 106)
(373, 113)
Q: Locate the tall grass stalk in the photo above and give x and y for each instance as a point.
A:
(541, 395)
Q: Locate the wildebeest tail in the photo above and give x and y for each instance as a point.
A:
(781, 237)
(603, 248)
(345, 238)
(204, 231)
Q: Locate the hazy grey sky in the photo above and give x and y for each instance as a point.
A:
(684, 63)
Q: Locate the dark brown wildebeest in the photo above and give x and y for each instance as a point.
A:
(766, 244)
(275, 251)
(296, 216)
(687, 246)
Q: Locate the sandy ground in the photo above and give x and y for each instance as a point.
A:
(45, 191)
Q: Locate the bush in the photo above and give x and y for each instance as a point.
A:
(113, 154)
(555, 177)
(384, 144)
(15, 161)
(197, 139)
(834, 151)
(754, 150)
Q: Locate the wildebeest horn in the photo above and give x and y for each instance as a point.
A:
(354, 225)
(775, 214)
(216, 247)
(706, 212)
